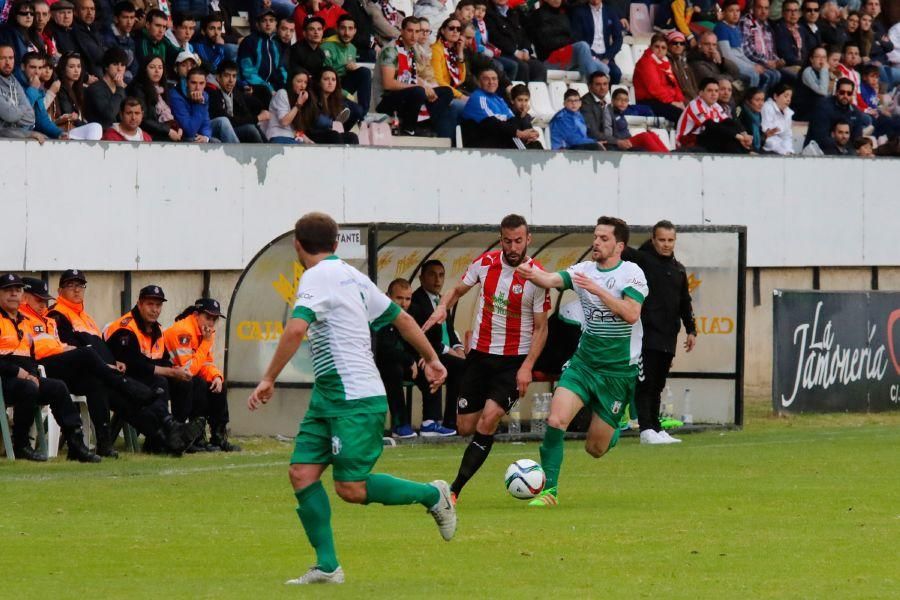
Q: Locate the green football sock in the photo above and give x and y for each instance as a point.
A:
(552, 455)
(391, 491)
(315, 514)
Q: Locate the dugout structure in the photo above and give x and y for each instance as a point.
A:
(707, 383)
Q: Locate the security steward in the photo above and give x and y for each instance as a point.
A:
(74, 325)
(136, 339)
(190, 342)
(24, 389)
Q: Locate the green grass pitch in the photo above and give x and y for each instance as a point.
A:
(807, 507)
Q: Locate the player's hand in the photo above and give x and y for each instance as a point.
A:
(586, 283)
(120, 367)
(216, 386)
(690, 342)
(523, 378)
(437, 317)
(436, 374)
(525, 271)
(261, 395)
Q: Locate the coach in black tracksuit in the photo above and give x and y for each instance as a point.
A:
(664, 311)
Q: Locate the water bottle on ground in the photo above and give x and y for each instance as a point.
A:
(687, 418)
(668, 408)
(539, 414)
(515, 419)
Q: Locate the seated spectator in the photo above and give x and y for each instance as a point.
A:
(62, 13)
(568, 130)
(507, 32)
(103, 98)
(128, 128)
(885, 122)
(809, 25)
(464, 12)
(476, 63)
(655, 85)
(151, 89)
(685, 16)
(815, 82)
(831, 31)
(181, 32)
(435, 11)
(184, 63)
(326, 10)
(731, 45)
(488, 122)
(262, 65)
(789, 40)
(677, 46)
(68, 107)
(851, 25)
(593, 106)
(363, 39)
(87, 37)
(726, 97)
(243, 110)
(405, 94)
(758, 44)
(838, 144)
(706, 61)
(396, 363)
(449, 64)
(119, 34)
(341, 55)
(151, 40)
(555, 44)
(598, 26)
(875, 48)
(18, 33)
(850, 60)
(332, 106)
(209, 44)
(864, 147)
(830, 110)
(43, 31)
(190, 106)
(307, 53)
(521, 108)
(385, 21)
(698, 114)
(422, 47)
(615, 128)
(31, 83)
(285, 37)
(777, 121)
(482, 44)
(291, 111)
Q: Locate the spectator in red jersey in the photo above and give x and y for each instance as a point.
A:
(327, 10)
(508, 338)
(655, 84)
(704, 126)
(128, 128)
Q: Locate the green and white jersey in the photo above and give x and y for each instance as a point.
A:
(341, 306)
(608, 344)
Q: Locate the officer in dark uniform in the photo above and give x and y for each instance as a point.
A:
(24, 389)
(136, 339)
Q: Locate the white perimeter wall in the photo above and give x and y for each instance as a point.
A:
(121, 207)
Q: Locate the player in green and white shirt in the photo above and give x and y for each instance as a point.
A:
(602, 373)
(336, 306)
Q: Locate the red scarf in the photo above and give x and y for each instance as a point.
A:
(452, 66)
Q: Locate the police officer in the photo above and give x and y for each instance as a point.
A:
(662, 314)
(136, 339)
(22, 386)
(190, 342)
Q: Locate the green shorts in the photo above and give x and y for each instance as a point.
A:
(605, 395)
(352, 444)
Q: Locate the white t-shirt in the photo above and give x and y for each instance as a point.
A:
(598, 46)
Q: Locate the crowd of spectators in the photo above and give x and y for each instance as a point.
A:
(727, 75)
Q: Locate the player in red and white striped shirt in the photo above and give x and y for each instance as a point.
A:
(509, 334)
(701, 110)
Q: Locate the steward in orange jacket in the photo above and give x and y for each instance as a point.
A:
(74, 325)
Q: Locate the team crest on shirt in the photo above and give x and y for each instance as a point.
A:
(616, 407)
(517, 288)
(336, 445)
(462, 403)
(610, 283)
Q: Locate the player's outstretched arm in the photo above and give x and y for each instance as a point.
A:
(435, 372)
(290, 341)
(447, 302)
(540, 277)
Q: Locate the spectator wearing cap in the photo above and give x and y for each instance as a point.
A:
(119, 35)
(328, 11)
(260, 59)
(136, 339)
(151, 40)
(183, 28)
(128, 127)
(62, 13)
(555, 43)
(87, 37)
(341, 55)
(17, 117)
(598, 25)
(655, 84)
(191, 344)
(307, 52)
(677, 45)
(190, 106)
(24, 389)
(568, 130)
(103, 98)
(184, 62)
(246, 114)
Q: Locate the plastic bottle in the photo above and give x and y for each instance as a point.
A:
(669, 404)
(395, 124)
(515, 419)
(539, 414)
(687, 418)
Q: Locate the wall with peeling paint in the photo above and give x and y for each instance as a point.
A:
(189, 207)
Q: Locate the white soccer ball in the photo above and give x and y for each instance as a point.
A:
(524, 479)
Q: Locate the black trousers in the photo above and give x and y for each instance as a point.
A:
(192, 399)
(144, 413)
(24, 396)
(655, 366)
(407, 102)
(85, 374)
(393, 374)
(431, 401)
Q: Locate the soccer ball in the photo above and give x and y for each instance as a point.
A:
(524, 479)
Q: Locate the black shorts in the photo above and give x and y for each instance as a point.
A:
(488, 377)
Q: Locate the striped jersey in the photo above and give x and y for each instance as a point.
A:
(609, 344)
(693, 120)
(341, 305)
(504, 321)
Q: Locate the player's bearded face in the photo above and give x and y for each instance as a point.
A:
(514, 243)
(604, 246)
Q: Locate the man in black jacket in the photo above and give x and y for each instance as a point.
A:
(663, 312)
(396, 363)
(831, 109)
(87, 37)
(446, 343)
(555, 43)
(506, 31)
(242, 110)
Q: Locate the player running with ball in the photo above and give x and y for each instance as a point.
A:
(337, 305)
(602, 373)
(509, 334)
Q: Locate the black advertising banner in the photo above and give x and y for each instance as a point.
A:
(836, 351)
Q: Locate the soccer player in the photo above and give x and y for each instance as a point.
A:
(602, 373)
(337, 305)
(510, 331)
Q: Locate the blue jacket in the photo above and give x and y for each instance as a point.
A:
(482, 105)
(262, 62)
(826, 113)
(583, 28)
(211, 54)
(42, 121)
(193, 117)
(567, 129)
